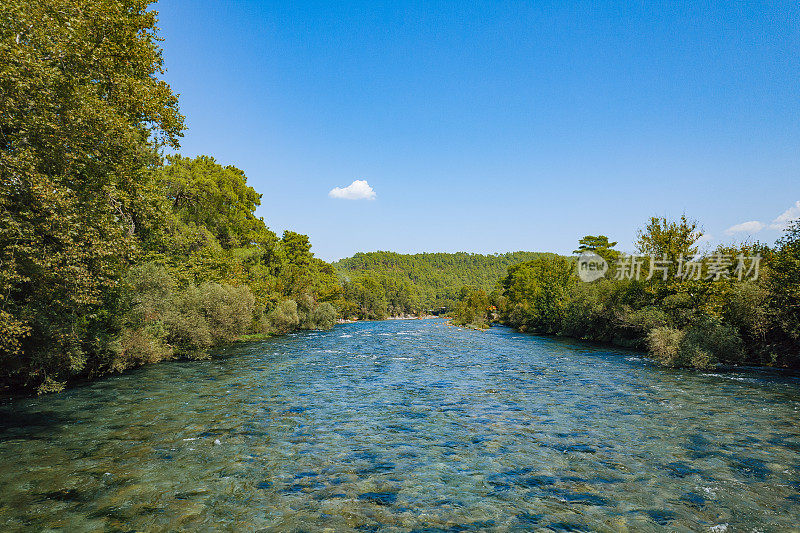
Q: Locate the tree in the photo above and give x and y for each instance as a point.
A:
(472, 309)
(599, 245)
(323, 316)
(367, 297)
(672, 239)
(784, 287)
(537, 292)
(298, 260)
(425, 281)
(284, 317)
(203, 193)
(83, 115)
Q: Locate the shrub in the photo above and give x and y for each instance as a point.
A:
(186, 327)
(720, 341)
(472, 310)
(138, 347)
(284, 317)
(323, 316)
(305, 308)
(702, 346)
(748, 311)
(664, 344)
(148, 300)
(148, 293)
(538, 290)
(583, 312)
(681, 308)
(634, 325)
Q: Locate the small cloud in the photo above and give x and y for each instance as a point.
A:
(783, 220)
(752, 226)
(358, 190)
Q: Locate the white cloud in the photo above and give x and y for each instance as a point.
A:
(358, 190)
(783, 220)
(752, 226)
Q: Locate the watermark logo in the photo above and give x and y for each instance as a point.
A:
(716, 267)
(591, 266)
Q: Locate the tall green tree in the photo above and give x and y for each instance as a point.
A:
(203, 193)
(598, 244)
(84, 113)
(661, 237)
(537, 291)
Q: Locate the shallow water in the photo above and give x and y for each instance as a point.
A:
(407, 425)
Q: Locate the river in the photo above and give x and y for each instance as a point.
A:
(407, 425)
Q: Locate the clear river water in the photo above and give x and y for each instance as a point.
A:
(407, 426)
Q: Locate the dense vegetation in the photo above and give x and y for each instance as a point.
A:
(110, 256)
(682, 321)
(380, 284)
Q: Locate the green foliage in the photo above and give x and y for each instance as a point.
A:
(537, 292)
(599, 245)
(635, 324)
(315, 315)
(207, 195)
(83, 115)
(473, 309)
(703, 346)
(284, 317)
(365, 298)
(323, 316)
(670, 239)
(419, 283)
(747, 309)
(162, 321)
(302, 273)
(228, 310)
(664, 344)
(712, 341)
(699, 323)
(783, 283)
(108, 257)
(207, 271)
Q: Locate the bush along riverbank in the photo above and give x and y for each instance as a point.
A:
(729, 306)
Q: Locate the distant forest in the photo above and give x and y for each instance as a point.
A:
(379, 284)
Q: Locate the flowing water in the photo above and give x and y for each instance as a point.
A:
(407, 425)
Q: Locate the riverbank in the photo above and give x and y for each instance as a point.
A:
(397, 317)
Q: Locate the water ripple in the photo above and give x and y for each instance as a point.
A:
(407, 426)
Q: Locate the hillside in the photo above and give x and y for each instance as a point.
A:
(426, 280)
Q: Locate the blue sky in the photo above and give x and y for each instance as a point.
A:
(493, 127)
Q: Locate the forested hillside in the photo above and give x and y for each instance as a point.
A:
(388, 283)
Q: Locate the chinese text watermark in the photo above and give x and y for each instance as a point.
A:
(636, 267)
